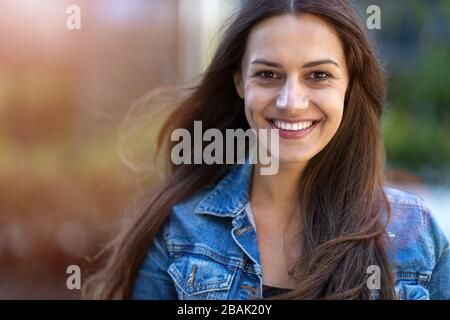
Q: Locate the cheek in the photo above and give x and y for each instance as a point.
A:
(257, 99)
(331, 103)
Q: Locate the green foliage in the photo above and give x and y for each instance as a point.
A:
(414, 41)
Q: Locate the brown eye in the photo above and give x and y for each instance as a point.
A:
(267, 75)
(319, 76)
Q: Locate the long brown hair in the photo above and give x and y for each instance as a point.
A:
(341, 195)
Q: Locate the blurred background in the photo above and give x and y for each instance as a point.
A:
(72, 157)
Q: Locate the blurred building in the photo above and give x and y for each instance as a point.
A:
(63, 95)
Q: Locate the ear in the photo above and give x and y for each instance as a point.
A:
(239, 85)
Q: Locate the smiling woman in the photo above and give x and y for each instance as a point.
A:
(294, 75)
(316, 228)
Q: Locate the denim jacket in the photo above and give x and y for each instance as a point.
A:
(207, 248)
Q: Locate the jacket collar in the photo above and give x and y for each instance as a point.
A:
(231, 195)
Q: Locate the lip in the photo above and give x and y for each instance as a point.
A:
(290, 120)
(294, 134)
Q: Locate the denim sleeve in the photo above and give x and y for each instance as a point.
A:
(439, 285)
(153, 281)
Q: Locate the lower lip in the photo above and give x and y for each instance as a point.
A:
(294, 134)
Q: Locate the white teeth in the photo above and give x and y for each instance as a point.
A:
(292, 126)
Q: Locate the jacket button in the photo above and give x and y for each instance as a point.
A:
(243, 230)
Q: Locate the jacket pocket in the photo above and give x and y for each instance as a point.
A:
(198, 277)
(405, 291)
(411, 285)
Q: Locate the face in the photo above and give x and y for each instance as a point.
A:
(294, 78)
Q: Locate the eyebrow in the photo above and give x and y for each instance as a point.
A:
(306, 65)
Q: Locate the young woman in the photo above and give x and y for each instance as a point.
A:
(325, 226)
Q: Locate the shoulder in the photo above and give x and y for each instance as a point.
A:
(400, 197)
(194, 225)
(413, 224)
(416, 240)
(409, 213)
(412, 228)
(184, 214)
(207, 209)
(190, 204)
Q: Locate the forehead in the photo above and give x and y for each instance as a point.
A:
(294, 39)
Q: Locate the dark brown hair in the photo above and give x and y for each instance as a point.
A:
(341, 194)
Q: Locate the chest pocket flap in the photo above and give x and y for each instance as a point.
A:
(195, 274)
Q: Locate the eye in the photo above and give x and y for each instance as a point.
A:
(318, 76)
(267, 75)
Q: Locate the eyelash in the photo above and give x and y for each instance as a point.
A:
(259, 75)
(327, 76)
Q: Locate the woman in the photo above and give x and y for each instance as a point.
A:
(324, 226)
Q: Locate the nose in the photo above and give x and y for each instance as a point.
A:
(292, 96)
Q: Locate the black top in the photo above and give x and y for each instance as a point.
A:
(269, 291)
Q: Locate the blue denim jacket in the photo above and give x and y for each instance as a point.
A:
(208, 249)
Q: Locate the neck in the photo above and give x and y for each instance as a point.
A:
(278, 192)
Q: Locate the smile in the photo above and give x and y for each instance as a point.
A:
(290, 129)
(292, 126)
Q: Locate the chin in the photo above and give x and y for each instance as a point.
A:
(293, 159)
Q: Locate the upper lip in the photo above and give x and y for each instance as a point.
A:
(293, 120)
